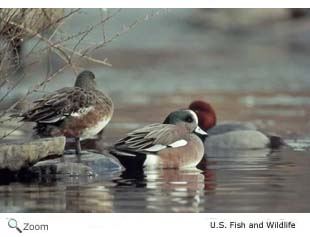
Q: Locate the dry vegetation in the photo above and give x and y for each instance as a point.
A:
(44, 27)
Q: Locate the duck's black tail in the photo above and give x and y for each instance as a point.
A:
(275, 141)
(131, 160)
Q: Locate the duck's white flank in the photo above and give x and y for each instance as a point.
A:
(159, 147)
(155, 148)
(178, 143)
(152, 161)
(92, 131)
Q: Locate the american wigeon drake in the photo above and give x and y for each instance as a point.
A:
(172, 144)
(78, 112)
(231, 135)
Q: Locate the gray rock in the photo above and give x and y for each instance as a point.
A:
(17, 156)
(52, 167)
(88, 164)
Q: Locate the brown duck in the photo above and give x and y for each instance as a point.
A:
(78, 112)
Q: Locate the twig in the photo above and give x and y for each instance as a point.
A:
(13, 130)
(33, 89)
(125, 29)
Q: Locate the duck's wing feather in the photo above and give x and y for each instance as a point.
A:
(60, 104)
(153, 138)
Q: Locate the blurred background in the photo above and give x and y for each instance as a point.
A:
(251, 64)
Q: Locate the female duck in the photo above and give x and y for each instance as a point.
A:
(233, 135)
(77, 112)
(172, 144)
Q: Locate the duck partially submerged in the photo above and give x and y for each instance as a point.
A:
(172, 144)
(231, 135)
(78, 112)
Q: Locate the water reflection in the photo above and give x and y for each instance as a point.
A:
(239, 159)
(239, 181)
(161, 190)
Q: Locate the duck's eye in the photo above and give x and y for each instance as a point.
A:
(189, 119)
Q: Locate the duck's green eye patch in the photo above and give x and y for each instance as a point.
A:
(189, 119)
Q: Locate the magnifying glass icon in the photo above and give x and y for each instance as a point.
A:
(12, 223)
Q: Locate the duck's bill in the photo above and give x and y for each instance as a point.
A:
(199, 131)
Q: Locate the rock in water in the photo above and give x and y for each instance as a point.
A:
(89, 164)
(59, 167)
(14, 157)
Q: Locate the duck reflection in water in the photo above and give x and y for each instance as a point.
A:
(164, 190)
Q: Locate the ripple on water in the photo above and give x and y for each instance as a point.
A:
(236, 182)
(299, 144)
